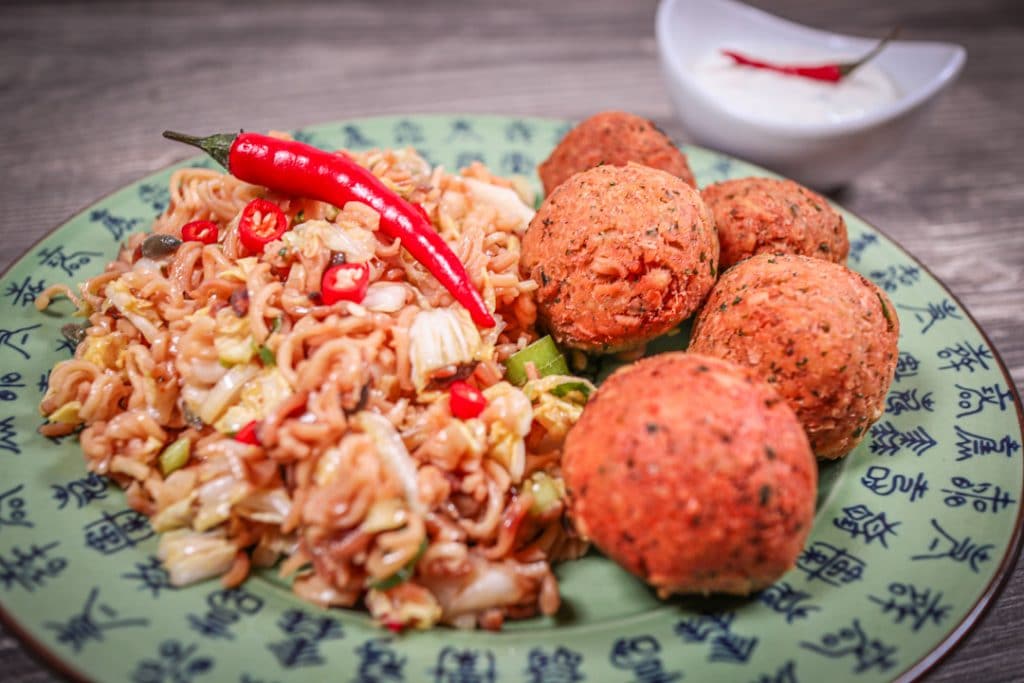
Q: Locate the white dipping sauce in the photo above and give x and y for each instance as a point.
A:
(783, 98)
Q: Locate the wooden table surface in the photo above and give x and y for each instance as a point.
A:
(86, 87)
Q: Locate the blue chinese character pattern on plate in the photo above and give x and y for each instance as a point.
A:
(913, 530)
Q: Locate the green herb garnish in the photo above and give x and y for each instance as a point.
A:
(267, 356)
(885, 310)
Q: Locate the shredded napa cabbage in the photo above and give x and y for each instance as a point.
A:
(104, 350)
(393, 453)
(385, 297)
(240, 269)
(557, 414)
(261, 394)
(216, 499)
(416, 607)
(443, 338)
(191, 556)
(310, 238)
(233, 340)
(385, 515)
(509, 416)
(139, 312)
(224, 393)
(506, 200)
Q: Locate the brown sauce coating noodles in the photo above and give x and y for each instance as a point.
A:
(363, 486)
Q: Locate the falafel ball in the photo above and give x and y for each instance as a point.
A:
(693, 475)
(765, 215)
(622, 254)
(613, 138)
(821, 334)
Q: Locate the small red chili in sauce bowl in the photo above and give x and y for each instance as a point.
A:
(801, 101)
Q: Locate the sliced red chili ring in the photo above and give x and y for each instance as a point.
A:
(247, 434)
(465, 400)
(261, 223)
(200, 231)
(345, 282)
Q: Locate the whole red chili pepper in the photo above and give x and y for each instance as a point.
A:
(832, 73)
(298, 169)
(253, 229)
(200, 231)
(344, 282)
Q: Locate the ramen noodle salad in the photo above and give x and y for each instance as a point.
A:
(258, 425)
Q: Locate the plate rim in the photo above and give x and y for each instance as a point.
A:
(47, 656)
(955, 636)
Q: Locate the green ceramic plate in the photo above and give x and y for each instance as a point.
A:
(914, 531)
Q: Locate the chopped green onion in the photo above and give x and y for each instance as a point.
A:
(175, 456)
(403, 574)
(276, 325)
(545, 493)
(544, 355)
(267, 356)
(566, 388)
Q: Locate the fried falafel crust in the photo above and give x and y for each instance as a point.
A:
(823, 335)
(613, 138)
(693, 475)
(767, 215)
(622, 254)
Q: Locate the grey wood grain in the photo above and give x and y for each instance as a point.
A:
(85, 89)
